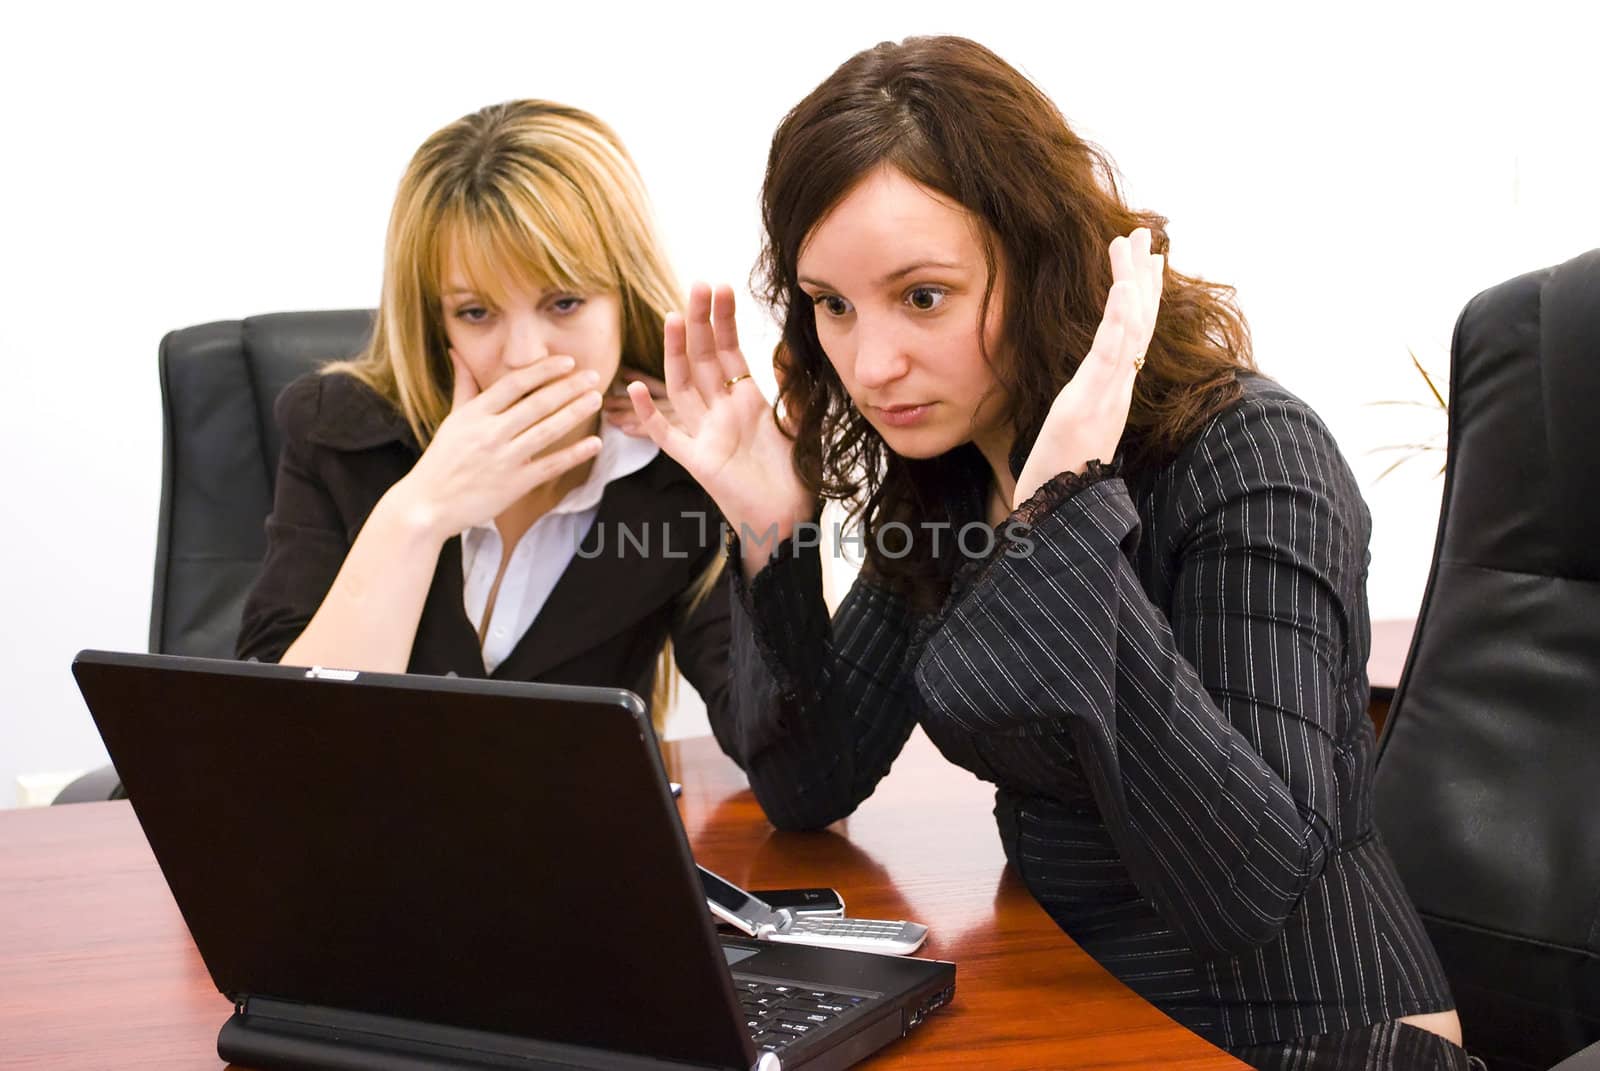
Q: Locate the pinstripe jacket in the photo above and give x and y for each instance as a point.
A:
(1169, 692)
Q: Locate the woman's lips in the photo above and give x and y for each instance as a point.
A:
(902, 416)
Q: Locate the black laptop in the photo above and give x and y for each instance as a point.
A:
(400, 872)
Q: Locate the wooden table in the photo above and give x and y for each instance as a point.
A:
(97, 969)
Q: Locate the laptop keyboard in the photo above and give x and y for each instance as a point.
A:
(779, 1015)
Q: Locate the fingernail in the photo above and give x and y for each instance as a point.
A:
(591, 377)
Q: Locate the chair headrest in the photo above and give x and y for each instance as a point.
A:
(1569, 345)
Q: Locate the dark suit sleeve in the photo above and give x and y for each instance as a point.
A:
(821, 707)
(306, 538)
(1208, 738)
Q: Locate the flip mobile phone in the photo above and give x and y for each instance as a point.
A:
(756, 918)
(826, 903)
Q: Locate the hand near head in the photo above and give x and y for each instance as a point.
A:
(724, 434)
(492, 448)
(1087, 419)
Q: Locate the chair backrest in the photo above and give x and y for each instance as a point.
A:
(1488, 783)
(220, 461)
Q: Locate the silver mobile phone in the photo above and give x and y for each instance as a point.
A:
(825, 903)
(759, 919)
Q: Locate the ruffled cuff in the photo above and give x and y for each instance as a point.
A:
(1061, 487)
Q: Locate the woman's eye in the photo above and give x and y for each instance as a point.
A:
(472, 314)
(567, 304)
(832, 304)
(925, 298)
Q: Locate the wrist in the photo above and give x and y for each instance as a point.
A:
(1027, 486)
(1064, 485)
(758, 538)
(1034, 477)
(413, 514)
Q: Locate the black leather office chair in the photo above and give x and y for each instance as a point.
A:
(219, 464)
(1488, 788)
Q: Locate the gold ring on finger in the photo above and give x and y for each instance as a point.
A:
(728, 383)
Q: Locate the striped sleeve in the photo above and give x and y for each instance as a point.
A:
(821, 707)
(1206, 729)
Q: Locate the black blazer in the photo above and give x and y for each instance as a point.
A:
(1168, 689)
(603, 624)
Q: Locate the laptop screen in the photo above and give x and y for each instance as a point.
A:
(498, 856)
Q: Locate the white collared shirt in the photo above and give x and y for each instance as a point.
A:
(544, 551)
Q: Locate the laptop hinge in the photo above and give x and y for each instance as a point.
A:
(269, 1035)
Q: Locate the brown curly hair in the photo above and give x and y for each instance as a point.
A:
(954, 117)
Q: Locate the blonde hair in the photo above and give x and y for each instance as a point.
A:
(526, 193)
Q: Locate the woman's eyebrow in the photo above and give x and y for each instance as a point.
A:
(898, 273)
(916, 265)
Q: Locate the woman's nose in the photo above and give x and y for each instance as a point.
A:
(880, 360)
(526, 343)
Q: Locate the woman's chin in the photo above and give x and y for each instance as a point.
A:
(918, 444)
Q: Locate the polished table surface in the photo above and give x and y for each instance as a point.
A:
(1391, 642)
(98, 971)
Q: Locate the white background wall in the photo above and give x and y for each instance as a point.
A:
(1358, 173)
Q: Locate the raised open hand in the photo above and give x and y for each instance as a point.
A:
(724, 434)
(1088, 417)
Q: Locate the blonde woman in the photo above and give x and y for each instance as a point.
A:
(451, 501)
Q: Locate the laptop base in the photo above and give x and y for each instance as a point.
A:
(276, 1035)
